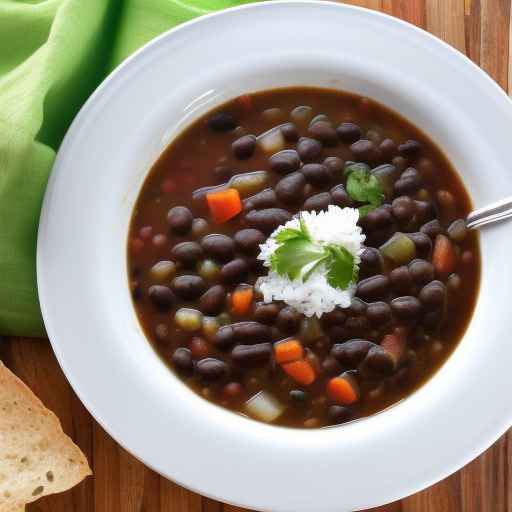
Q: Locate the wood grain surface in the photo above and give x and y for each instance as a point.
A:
(482, 30)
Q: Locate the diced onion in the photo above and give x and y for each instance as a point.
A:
(272, 141)
(264, 406)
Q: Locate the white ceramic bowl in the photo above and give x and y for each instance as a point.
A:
(82, 270)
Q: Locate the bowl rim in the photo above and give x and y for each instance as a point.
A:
(43, 286)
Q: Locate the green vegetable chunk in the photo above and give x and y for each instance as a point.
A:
(364, 187)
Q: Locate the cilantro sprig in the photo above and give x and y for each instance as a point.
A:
(298, 256)
(363, 187)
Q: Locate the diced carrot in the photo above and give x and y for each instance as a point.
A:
(443, 257)
(300, 371)
(343, 390)
(245, 101)
(287, 351)
(224, 204)
(241, 299)
(394, 345)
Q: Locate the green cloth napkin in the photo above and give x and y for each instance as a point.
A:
(53, 54)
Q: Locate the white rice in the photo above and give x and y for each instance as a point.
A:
(315, 296)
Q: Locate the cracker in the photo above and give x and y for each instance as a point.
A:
(36, 457)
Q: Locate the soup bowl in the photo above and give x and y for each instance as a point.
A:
(82, 269)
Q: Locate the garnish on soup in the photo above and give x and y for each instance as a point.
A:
(313, 261)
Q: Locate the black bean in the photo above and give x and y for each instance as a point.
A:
(330, 366)
(188, 287)
(180, 219)
(352, 352)
(406, 308)
(182, 360)
(285, 161)
(371, 261)
(432, 229)
(432, 320)
(338, 333)
(324, 132)
(161, 297)
(421, 271)
(433, 295)
(409, 182)
(298, 397)
(266, 313)
(388, 149)
(349, 132)
(340, 196)
(222, 173)
(335, 317)
(400, 279)
(378, 237)
(288, 320)
(222, 122)
(289, 189)
(252, 356)
(316, 174)
(373, 288)
(356, 325)
(187, 253)
(378, 219)
(399, 162)
(377, 363)
(365, 151)
(335, 166)
(403, 208)
(317, 202)
(267, 220)
(213, 300)
(424, 211)
(309, 149)
(422, 242)
(290, 132)
(241, 332)
(265, 199)
(235, 271)
(409, 149)
(357, 307)
(248, 240)
(378, 313)
(219, 247)
(337, 414)
(244, 147)
(211, 369)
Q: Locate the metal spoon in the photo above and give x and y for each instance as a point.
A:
(495, 212)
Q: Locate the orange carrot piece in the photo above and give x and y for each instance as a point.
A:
(343, 390)
(288, 351)
(300, 371)
(443, 257)
(241, 299)
(245, 101)
(394, 345)
(224, 204)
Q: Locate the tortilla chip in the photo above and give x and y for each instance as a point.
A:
(36, 457)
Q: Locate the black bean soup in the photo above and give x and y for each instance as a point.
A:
(221, 188)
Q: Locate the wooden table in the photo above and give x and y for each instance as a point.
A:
(481, 29)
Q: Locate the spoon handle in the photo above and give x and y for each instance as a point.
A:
(500, 210)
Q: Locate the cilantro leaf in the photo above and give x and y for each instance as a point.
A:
(341, 269)
(364, 187)
(292, 233)
(296, 258)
